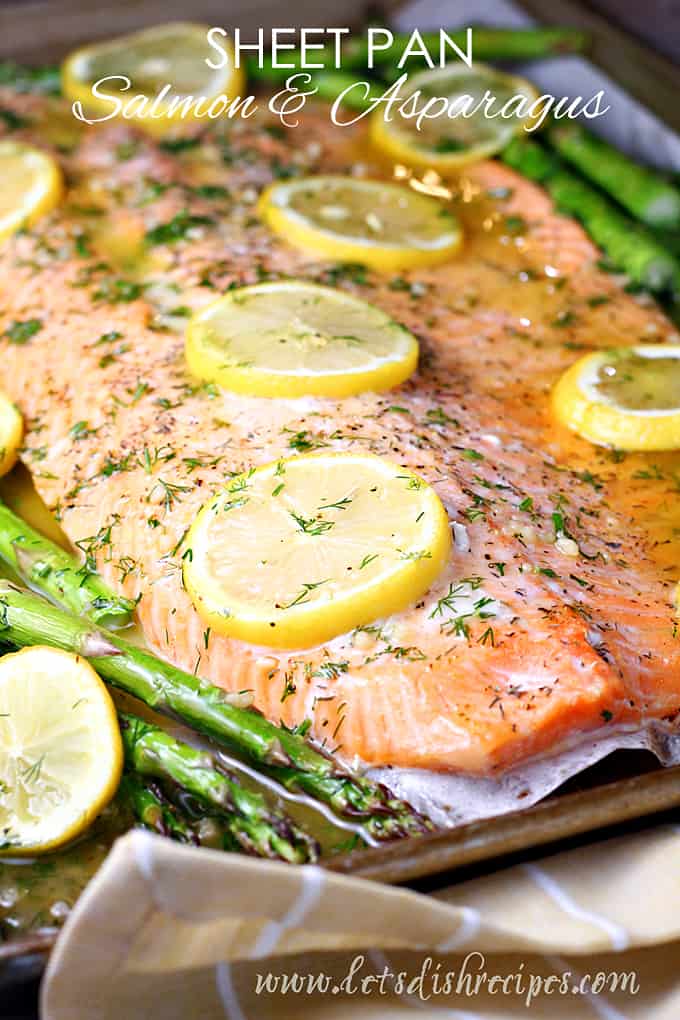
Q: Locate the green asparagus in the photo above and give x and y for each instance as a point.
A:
(58, 574)
(48, 568)
(630, 247)
(209, 827)
(670, 239)
(257, 828)
(27, 619)
(640, 190)
(487, 44)
(329, 85)
(153, 811)
(45, 80)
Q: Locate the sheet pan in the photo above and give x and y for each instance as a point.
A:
(612, 796)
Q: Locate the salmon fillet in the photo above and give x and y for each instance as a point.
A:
(554, 617)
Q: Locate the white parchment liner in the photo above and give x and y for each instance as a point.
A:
(453, 798)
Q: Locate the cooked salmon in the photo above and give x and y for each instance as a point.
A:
(554, 618)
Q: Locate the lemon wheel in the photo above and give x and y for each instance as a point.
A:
(291, 338)
(628, 398)
(31, 186)
(60, 749)
(174, 54)
(11, 432)
(385, 226)
(444, 142)
(303, 549)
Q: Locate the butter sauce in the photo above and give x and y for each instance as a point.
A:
(639, 383)
(539, 307)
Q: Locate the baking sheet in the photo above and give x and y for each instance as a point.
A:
(461, 801)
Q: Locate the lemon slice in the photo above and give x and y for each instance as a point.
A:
(628, 398)
(11, 432)
(31, 186)
(174, 54)
(385, 226)
(298, 551)
(291, 338)
(60, 749)
(444, 142)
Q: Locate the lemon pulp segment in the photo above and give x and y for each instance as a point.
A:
(443, 142)
(385, 226)
(291, 338)
(173, 54)
(31, 186)
(628, 398)
(60, 749)
(303, 549)
(11, 432)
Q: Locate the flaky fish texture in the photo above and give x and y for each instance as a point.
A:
(555, 615)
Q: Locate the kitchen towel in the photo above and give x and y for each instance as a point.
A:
(179, 933)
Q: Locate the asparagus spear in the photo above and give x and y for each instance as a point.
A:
(644, 193)
(153, 811)
(58, 574)
(26, 619)
(48, 567)
(671, 241)
(45, 80)
(208, 826)
(631, 248)
(175, 817)
(329, 85)
(257, 828)
(487, 44)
